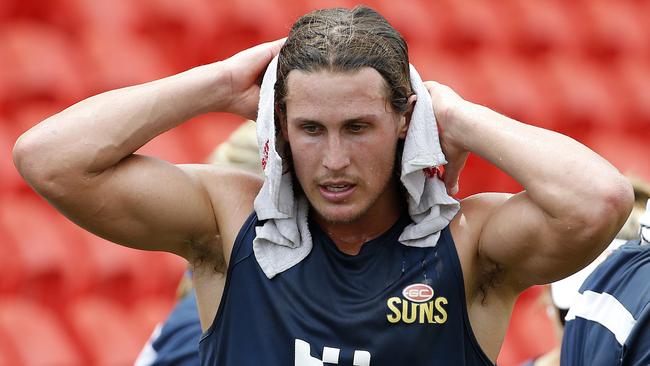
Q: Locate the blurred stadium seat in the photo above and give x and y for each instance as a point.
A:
(536, 30)
(43, 62)
(532, 332)
(627, 151)
(633, 75)
(48, 273)
(104, 331)
(11, 180)
(11, 267)
(510, 87)
(117, 60)
(34, 335)
(122, 274)
(581, 68)
(614, 29)
(414, 21)
(580, 95)
(470, 26)
(149, 312)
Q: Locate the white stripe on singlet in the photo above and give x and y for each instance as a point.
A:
(605, 310)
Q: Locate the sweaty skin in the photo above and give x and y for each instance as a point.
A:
(343, 135)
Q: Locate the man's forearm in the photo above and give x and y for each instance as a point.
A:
(98, 132)
(558, 173)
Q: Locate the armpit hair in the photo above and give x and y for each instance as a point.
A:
(491, 276)
(207, 257)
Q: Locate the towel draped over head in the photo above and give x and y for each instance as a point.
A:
(284, 238)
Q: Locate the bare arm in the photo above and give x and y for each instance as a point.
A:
(573, 204)
(81, 160)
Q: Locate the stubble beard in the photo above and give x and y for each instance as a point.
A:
(364, 210)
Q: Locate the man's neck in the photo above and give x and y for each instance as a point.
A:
(349, 237)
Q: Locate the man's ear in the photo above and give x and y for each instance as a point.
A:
(406, 120)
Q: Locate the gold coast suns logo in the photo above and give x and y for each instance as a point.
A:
(417, 304)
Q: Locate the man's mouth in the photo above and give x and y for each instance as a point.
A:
(337, 187)
(337, 191)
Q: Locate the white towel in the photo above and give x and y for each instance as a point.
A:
(284, 239)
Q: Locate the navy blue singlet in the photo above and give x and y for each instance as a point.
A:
(389, 305)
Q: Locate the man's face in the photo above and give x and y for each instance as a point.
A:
(343, 136)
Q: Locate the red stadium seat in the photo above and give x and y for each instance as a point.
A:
(582, 97)
(201, 135)
(170, 146)
(118, 17)
(104, 331)
(634, 76)
(615, 28)
(413, 20)
(509, 86)
(180, 31)
(627, 151)
(118, 61)
(35, 335)
(11, 267)
(168, 270)
(8, 356)
(49, 273)
(481, 176)
(26, 46)
(532, 331)
(268, 20)
(541, 28)
(58, 13)
(27, 114)
(471, 25)
(456, 71)
(10, 180)
(148, 312)
(126, 275)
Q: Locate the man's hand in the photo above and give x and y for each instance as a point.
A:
(446, 103)
(242, 75)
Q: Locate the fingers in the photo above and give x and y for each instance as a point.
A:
(263, 53)
(276, 45)
(452, 173)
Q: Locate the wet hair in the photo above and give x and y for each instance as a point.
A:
(344, 40)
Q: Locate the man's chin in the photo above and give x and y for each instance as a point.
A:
(337, 217)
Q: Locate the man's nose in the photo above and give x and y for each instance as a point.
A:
(336, 155)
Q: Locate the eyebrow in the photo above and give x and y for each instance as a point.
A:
(361, 118)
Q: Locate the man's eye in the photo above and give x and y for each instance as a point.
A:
(311, 129)
(356, 127)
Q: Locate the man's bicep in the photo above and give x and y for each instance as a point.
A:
(145, 203)
(528, 245)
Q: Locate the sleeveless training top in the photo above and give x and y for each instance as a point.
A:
(389, 305)
(609, 323)
(176, 342)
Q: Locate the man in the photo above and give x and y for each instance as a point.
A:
(343, 97)
(609, 321)
(590, 340)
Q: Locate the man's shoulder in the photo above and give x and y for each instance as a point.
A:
(475, 210)
(485, 201)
